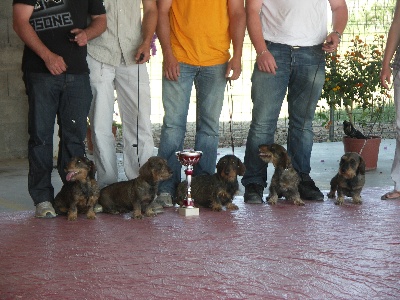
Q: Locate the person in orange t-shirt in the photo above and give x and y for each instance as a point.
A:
(195, 38)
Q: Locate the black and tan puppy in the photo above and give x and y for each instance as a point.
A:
(81, 192)
(285, 180)
(136, 195)
(350, 179)
(216, 190)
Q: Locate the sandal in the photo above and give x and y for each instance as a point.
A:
(393, 195)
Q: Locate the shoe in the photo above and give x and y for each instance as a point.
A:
(393, 195)
(45, 210)
(164, 199)
(157, 208)
(98, 208)
(253, 193)
(308, 190)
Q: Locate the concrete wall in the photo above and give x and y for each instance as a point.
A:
(13, 100)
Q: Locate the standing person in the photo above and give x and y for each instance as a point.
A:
(392, 47)
(117, 61)
(56, 78)
(290, 38)
(195, 38)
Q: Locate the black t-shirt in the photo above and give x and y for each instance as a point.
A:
(53, 20)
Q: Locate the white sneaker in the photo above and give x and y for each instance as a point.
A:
(45, 210)
(98, 208)
(164, 199)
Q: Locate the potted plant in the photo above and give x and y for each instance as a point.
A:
(353, 81)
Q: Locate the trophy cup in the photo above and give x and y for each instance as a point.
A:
(188, 158)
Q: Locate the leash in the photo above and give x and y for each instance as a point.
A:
(230, 101)
(138, 109)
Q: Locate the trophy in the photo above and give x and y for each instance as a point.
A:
(188, 158)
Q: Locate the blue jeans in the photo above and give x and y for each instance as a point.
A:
(67, 96)
(210, 84)
(300, 75)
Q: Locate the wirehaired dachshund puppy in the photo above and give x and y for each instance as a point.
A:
(81, 192)
(285, 180)
(350, 179)
(216, 190)
(137, 194)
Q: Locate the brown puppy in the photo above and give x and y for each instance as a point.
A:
(285, 180)
(137, 194)
(217, 190)
(81, 192)
(350, 178)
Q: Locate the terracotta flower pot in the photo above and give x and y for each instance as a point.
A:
(369, 152)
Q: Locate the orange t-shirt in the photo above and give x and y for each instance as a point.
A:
(200, 31)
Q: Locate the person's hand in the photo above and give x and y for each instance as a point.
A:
(386, 74)
(266, 62)
(171, 67)
(331, 43)
(142, 54)
(233, 69)
(80, 37)
(55, 64)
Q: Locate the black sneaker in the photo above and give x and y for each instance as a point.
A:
(308, 190)
(253, 193)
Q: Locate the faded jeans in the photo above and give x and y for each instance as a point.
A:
(210, 84)
(67, 96)
(300, 76)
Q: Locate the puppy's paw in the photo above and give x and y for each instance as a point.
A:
(232, 206)
(357, 200)
(137, 215)
(298, 202)
(216, 207)
(150, 213)
(339, 201)
(91, 215)
(72, 216)
(331, 194)
(272, 200)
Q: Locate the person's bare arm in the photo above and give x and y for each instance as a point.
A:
(21, 15)
(340, 16)
(265, 60)
(237, 27)
(96, 27)
(149, 23)
(170, 63)
(392, 43)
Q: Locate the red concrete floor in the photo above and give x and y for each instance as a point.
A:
(319, 251)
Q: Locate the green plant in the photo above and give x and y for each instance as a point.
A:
(353, 80)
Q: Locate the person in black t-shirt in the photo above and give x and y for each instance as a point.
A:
(56, 77)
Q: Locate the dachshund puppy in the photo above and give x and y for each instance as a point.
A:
(217, 190)
(137, 194)
(285, 180)
(350, 178)
(81, 192)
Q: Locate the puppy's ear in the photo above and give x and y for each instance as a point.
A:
(285, 160)
(91, 166)
(220, 165)
(361, 166)
(145, 172)
(240, 168)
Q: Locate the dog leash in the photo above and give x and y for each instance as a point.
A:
(230, 101)
(137, 114)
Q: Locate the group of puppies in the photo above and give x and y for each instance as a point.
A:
(81, 193)
(349, 180)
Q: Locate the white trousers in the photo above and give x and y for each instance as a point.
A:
(396, 161)
(135, 116)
